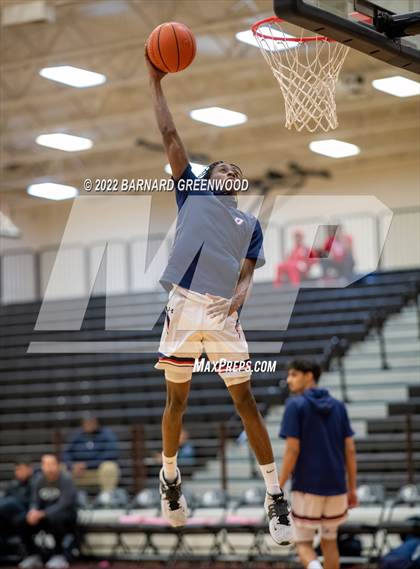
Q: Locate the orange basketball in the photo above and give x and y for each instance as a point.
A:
(171, 47)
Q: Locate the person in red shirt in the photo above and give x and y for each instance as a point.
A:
(297, 265)
(338, 253)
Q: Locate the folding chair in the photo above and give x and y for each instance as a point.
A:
(407, 495)
(370, 495)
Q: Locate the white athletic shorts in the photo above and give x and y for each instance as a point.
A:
(188, 332)
(312, 512)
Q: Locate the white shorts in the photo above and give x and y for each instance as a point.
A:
(188, 331)
(312, 512)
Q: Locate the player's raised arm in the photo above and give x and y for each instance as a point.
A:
(175, 150)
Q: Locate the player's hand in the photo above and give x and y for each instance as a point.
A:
(34, 516)
(30, 517)
(155, 73)
(353, 500)
(220, 308)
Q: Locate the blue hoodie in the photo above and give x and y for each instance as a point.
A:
(321, 424)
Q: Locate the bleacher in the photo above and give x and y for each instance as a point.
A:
(44, 396)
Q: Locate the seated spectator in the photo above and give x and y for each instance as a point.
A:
(297, 265)
(52, 509)
(14, 504)
(91, 456)
(338, 253)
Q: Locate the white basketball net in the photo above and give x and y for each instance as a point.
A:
(307, 72)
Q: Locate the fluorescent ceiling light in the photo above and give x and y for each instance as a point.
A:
(269, 45)
(196, 168)
(63, 141)
(398, 86)
(218, 116)
(73, 76)
(334, 148)
(52, 191)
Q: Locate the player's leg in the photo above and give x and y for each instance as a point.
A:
(334, 514)
(307, 510)
(62, 526)
(176, 404)
(256, 431)
(307, 555)
(330, 552)
(228, 349)
(229, 345)
(173, 503)
(275, 505)
(179, 346)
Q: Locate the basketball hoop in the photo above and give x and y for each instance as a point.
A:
(307, 70)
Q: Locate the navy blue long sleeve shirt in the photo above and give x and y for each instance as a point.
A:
(92, 448)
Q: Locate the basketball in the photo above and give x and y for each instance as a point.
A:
(171, 47)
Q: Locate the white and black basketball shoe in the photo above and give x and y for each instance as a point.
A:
(173, 503)
(278, 513)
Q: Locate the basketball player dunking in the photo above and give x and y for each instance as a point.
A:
(209, 273)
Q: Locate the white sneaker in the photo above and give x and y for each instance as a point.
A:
(57, 562)
(31, 562)
(278, 512)
(173, 503)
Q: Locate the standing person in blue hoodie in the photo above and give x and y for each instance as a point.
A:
(320, 456)
(92, 455)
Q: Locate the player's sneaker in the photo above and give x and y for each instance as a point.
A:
(277, 510)
(173, 502)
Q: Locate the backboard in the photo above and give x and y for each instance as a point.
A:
(357, 23)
